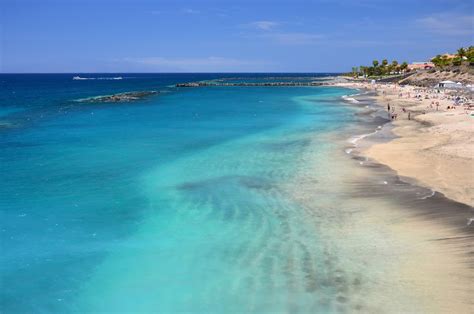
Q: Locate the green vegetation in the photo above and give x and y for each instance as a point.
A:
(379, 69)
(462, 56)
(470, 55)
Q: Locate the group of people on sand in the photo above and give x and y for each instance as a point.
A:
(392, 115)
(440, 99)
(391, 112)
(419, 99)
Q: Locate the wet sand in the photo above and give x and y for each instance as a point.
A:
(420, 237)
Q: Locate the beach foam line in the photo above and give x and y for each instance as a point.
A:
(433, 192)
(353, 140)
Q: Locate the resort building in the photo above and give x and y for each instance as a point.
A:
(421, 66)
(449, 56)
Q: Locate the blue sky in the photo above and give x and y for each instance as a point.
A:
(225, 36)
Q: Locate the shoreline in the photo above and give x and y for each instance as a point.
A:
(386, 233)
(429, 231)
(434, 149)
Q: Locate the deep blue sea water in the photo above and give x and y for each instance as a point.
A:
(177, 202)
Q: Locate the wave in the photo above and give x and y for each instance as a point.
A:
(357, 138)
(431, 194)
(79, 78)
(350, 99)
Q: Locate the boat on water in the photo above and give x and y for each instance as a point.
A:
(97, 78)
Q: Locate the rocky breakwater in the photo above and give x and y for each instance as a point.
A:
(121, 97)
(264, 84)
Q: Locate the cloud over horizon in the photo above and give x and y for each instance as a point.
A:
(192, 64)
(448, 24)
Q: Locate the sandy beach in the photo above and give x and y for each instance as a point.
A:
(434, 145)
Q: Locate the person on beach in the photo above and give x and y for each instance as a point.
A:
(388, 107)
(409, 115)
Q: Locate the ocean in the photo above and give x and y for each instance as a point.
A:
(203, 200)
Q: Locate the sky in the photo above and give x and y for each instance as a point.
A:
(77, 36)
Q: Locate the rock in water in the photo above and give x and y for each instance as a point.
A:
(121, 97)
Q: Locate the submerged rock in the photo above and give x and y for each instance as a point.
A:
(121, 97)
(6, 124)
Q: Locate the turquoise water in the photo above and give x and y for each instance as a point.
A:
(179, 202)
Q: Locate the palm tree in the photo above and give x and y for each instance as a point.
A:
(383, 68)
(404, 66)
(355, 71)
(470, 54)
(393, 66)
(370, 71)
(461, 53)
(375, 63)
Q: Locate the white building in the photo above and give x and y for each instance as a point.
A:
(448, 84)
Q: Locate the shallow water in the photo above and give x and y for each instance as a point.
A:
(225, 199)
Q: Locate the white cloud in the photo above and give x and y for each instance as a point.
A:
(264, 25)
(268, 32)
(191, 11)
(447, 24)
(206, 64)
(294, 38)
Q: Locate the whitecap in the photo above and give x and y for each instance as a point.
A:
(350, 99)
